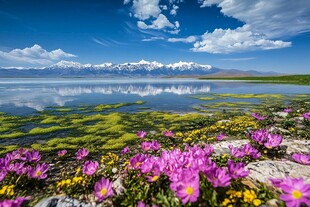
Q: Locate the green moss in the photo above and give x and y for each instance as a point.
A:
(12, 135)
(39, 130)
(63, 110)
(249, 96)
(8, 148)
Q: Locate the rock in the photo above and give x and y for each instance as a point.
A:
(278, 129)
(263, 170)
(297, 146)
(118, 185)
(281, 113)
(221, 147)
(63, 201)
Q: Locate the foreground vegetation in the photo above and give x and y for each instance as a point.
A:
(285, 79)
(96, 155)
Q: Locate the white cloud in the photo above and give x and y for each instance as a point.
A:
(240, 39)
(35, 55)
(160, 23)
(152, 39)
(189, 39)
(127, 1)
(174, 10)
(144, 9)
(238, 59)
(276, 18)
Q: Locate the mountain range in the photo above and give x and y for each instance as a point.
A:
(142, 68)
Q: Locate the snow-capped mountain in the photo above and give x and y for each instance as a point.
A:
(141, 68)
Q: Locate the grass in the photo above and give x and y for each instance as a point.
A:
(285, 79)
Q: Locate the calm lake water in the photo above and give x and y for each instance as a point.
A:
(28, 95)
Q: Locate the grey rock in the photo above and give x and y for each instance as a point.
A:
(298, 146)
(221, 147)
(263, 170)
(118, 186)
(63, 201)
(281, 113)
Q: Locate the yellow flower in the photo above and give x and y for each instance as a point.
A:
(249, 196)
(257, 202)
(78, 170)
(225, 202)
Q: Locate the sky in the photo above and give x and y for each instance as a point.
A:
(259, 35)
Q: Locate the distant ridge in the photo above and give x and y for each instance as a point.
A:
(142, 68)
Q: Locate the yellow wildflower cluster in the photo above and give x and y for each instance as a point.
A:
(7, 190)
(248, 196)
(236, 125)
(109, 159)
(71, 182)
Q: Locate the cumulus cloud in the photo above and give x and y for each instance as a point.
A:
(174, 10)
(152, 39)
(276, 18)
(144, 9)
(189, 39)
(35, 55)
(159, 23)
(240, 39)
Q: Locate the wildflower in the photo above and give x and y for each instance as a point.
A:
(249, 150)
(237, 170)
(168, 133)
(287, 110)
(39, 171)
(125, 150)
(15, 167)
(13, 203)
(103, 189)
(301, 158)
(141, 134)
(306, 115)
(3, 174)
(187, 187)
(249, 196)
(82, 154)
(272, 141)
(236, 152)
(19, 155)
(155, 145)
(7, 190)
(33, 156)
(257, 202)
(90, 167)
(218, 177)
(146, 146)
(220, 137)
(258, 116)
(295, 191)
(62, 153)
(260, 136)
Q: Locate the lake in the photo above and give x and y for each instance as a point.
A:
(23, 96)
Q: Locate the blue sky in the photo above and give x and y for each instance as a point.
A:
(261, 35)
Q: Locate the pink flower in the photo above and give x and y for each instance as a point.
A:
(3, 174)
(82, 154)
(258, 116)
(33, 156)
(272, 141)
(168, 133)
(301, 158)
(287, 110)
(295, 191)
(220, 137)
(137, 160)
(260, 136)
(141, 134)
(90, 167)
(236, 152)
(236, 170)
(155, 145)
(146, 146)
(39, 172)
(103, 189)
(13, 203)
(219, 177)
(125, 150)
(62, 153)
(306, 115)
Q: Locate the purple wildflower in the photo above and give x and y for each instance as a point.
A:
(33, 156)
(287, 110)
(19, 155)
(82, 154)
(168, 133)
(219, 177)
(14, 167)
(220, 137)
(146, 146)
(236, 152)
(295, 191)
(141, 134)
(249, 150)
(13, 203)
(125, 150)
(103, 189)
(236, 170)
(277, 182)
(260, 136)
(90, 167)
(62, 153)
(306, 115)
(301, 158)
(137, 160)
(258, 116)
(272, 141)
(3, 174)
(39, 172)
(155, 145)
